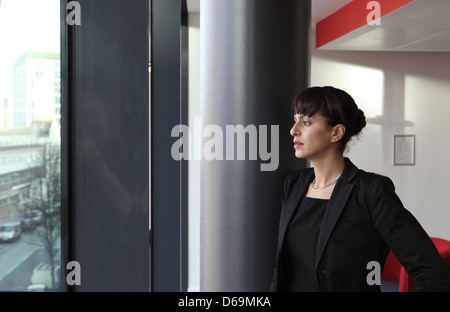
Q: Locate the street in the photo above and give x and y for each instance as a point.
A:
(18, 259)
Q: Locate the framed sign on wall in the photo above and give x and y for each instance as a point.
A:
(404, 150)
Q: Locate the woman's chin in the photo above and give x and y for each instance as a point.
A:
(299, 155)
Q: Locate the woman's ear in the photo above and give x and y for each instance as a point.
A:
(338, 132)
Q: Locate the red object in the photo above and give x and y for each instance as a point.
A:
(351, 17)
(394, 271)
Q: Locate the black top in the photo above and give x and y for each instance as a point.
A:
(302, 236)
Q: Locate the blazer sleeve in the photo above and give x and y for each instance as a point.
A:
(407, 239)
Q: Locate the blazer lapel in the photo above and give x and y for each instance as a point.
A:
(335, 207)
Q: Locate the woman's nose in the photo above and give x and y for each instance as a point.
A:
(295, 130)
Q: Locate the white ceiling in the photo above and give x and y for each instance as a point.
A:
(323, 8)
(423, 25)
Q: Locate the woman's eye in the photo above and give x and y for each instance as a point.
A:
(306, 123)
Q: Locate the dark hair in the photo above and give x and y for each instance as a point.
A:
(336, 105)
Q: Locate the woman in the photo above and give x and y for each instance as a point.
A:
(336, 220)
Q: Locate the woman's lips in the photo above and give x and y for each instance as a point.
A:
(297, 144)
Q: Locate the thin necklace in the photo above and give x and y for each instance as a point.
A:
(327, 185)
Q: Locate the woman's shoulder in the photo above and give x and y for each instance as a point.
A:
(369, 175)
(294, 176)
(372, 178)
(364, 178)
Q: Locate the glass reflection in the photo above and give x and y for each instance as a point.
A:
(30, 104)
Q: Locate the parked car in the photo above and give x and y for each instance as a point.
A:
(10, 231)
(27, 224)
(37, 288)
(41, 279)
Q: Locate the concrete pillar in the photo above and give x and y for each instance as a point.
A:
(254, 60)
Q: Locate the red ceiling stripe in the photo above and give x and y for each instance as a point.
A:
(351, 17)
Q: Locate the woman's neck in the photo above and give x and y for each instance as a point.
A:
(328, 169)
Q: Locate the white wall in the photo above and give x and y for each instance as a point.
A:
(401, 93)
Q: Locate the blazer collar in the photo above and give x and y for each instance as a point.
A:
(349, 172)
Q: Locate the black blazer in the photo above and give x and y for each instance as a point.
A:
(363, 221)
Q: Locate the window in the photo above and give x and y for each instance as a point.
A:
(30, 183)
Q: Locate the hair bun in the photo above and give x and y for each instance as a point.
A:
(359, 122)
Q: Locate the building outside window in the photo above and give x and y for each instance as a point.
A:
(30, 183)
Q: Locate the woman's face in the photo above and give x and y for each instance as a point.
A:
(313, 137)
